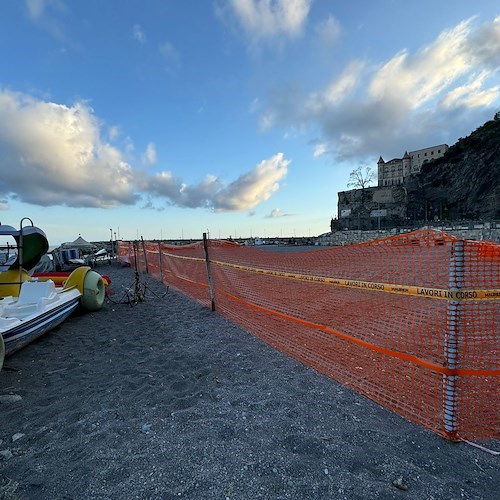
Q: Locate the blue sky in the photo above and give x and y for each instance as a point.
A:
(170, 118)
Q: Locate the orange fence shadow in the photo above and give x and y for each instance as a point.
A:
(410, 321)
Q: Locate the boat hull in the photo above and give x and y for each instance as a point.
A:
(17, 333)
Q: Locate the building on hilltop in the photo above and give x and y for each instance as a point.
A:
(388, 204)
(395, 171)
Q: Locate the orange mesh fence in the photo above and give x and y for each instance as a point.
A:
(410, 321)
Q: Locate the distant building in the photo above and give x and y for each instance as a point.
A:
(385, 205)
(395, 171)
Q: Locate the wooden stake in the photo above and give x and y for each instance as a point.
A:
(207, 261)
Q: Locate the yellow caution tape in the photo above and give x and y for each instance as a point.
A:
(424, 292)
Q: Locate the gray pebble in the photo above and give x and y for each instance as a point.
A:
(6, 454)
(146, 428)
(10, 398)
(16, 436)
(400, 484)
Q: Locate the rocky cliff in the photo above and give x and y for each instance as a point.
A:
(464, 183)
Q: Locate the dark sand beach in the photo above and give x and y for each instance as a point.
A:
(168, 400)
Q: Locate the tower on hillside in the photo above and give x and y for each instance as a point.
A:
(380, 164)
(406, 164)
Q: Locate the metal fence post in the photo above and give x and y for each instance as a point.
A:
(452, 339)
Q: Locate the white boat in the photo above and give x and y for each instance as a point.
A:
(28, 307)
(38, 309)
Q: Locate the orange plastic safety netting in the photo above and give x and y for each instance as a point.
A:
(411, 321)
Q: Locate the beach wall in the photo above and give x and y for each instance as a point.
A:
(410, 321)
(340, 238)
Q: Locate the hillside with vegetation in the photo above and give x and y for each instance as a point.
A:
(464, 183)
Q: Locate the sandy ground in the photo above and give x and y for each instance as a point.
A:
(169, 400)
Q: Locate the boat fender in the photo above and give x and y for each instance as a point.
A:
(93, 292)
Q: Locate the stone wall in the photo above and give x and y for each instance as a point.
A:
(372, 207)
(340, 238)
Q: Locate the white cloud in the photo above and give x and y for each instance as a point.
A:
(35, 8)
(38, 8)
(45, 13)
(267, 120)
(420, 78)
(51, 154)
(244, 193)
(254, 105)
(176, 192)
(4, 205)
(267, 19)
(170, 54)
(328, 31)
(320, 150)
(129, 145)
(168, 50)
(485, 44)
(341, 87)
(114, 132)
(138, 34)
(254, 187)
(276, 213)
(149, 157)
(411, 100)
(471, 94)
